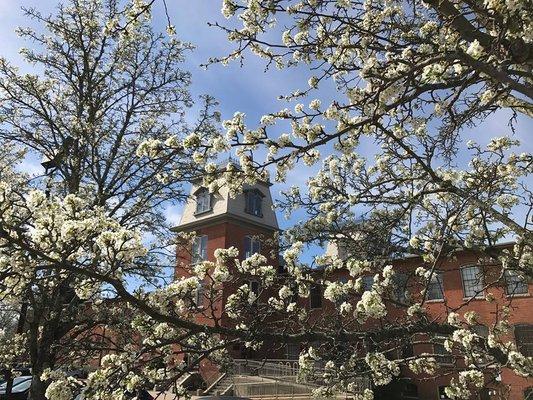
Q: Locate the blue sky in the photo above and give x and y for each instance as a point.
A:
(248, 89)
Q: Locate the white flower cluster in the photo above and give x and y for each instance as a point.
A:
(423, 364)
(11, 348)
(468, 380)
(521, 364)
(383, 370)
(60, 386)
(371, 305)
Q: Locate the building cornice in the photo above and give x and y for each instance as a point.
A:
(226, 217)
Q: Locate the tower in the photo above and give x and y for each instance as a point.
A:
(246, 222)
(221, 221)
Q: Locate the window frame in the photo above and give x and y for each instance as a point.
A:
(198, 257)
(255, 246)
(527, 344)
(320, 296)
(203, 193)
(365, 278)
(478, 293)
(253, 202)
(439, 275)
(439, 393)
(250, 283)
(199, 295)
(520, 280)
(400, 280)
(444, 358)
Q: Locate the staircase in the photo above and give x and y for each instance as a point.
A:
(223, 386)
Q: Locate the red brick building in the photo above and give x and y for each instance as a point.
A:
(249, 223)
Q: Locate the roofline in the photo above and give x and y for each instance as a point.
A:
(500, 245)
(196, 179)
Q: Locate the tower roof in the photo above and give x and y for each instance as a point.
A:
(222, 206)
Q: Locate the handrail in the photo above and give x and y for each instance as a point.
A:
(215, 383)
(277, 369)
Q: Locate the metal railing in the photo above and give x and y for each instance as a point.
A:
(267, 368)
(279, 378)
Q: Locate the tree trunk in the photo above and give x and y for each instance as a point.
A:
(37, 389)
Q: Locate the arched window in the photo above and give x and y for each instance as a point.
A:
(203, 201)
(254, 202)
(435, 288)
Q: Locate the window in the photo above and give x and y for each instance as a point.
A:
(442, 393)
(409, 391)
(482, 358)
(368, 281)
(203, 201)
(199, 249)
(400, 287)
(472, 277)
(481, 331)
(199, 295)
(251, 246)
(524, 339)
(254, 288)
(254, 202)
(442, 355)
(435, 289)
(315, 296)
(407, 350)
(295, 293)
(515, 283)
(292, 351)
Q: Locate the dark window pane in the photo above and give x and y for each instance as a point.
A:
(203, 201)
(254, 287)
(407, 350)
(253, 203)
(251, 246)
(442, 393)
(292, 351)
(410, 391)
(524, 339)
(472, 277)
(515, 283)
(400, 287)
(315, 295)
(443, 356)
(435, 290)
(368, 281)
(199, 249)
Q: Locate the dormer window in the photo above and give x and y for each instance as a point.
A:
(203, 201)
(254, 202)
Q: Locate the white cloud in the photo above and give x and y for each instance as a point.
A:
(173, 214)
